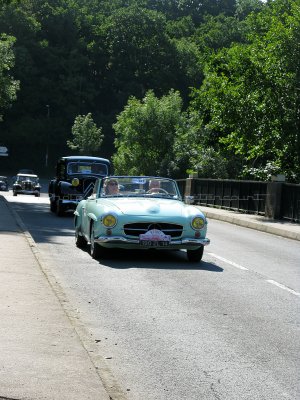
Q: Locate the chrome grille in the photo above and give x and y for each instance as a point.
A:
(88, 186)
(27, 185)
(139, 228)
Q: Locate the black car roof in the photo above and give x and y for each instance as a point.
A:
(85, 158)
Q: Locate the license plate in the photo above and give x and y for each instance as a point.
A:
(154, 243)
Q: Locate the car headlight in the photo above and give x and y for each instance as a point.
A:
(198, 223)
(109, 220)
(75, 182)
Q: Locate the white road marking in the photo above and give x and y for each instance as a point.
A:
(246, 269)
(283, 287)
(228, 261)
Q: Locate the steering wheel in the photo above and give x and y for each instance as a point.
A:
(157, 190)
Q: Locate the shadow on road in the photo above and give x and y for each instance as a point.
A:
(154, 259)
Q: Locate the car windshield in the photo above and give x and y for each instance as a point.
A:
(32, 178)
(139, 186)
(87, 168)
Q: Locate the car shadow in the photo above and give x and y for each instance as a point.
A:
(154, 259)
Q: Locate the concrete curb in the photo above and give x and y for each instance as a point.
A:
(285, 229)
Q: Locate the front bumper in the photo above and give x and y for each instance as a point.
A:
(123, 242)
(66, 201)
(23, 191)
(70, 203)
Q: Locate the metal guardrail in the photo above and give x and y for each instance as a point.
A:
(290, 202)
(244, 196)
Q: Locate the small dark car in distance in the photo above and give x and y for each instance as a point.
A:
(27, 184)
(74, 180)
(3, 183)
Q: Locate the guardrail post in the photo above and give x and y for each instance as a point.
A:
(273, 200)
(189, 187)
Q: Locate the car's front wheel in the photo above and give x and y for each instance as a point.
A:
(59, 209)
(195, 255)
(80, 240)
(52, 206)
(96, 250)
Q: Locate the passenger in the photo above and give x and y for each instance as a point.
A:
(111, 187)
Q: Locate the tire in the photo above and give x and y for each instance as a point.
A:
(37, 194)
(15, 193)
(195, 255)
(59, 209)
(80, 241)
(96, 250)
(52, 206)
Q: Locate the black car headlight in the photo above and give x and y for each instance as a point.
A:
(198, 222)
(109, 220)
(75, 182)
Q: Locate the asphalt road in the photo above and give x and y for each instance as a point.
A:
(226, 329)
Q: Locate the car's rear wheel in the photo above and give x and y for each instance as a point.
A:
(195, 255)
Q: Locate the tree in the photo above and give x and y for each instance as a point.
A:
(175, 9)
(145, 133)
(194, 151)
(8, 86)
(87, 137)
(250, 98)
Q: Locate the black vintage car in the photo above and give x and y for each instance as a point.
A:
(27, 184)
(75, 179)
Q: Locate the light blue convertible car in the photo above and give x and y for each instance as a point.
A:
(139, 212)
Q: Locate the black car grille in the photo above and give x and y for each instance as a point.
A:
(139, 228)
(88, 186)
(85, 188)
(27, 185)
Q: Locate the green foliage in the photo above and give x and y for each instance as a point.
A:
(87, 138)
(210, 164)
(136, 47)
(145, 134)
(193, 151)
(8, 85)
(175, 9)
(239, 59)
(249, 98)
(263, 173)
(246, 7)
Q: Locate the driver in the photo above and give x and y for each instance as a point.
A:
(154, 186)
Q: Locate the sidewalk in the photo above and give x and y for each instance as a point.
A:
(286, 229)
(41, 355)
